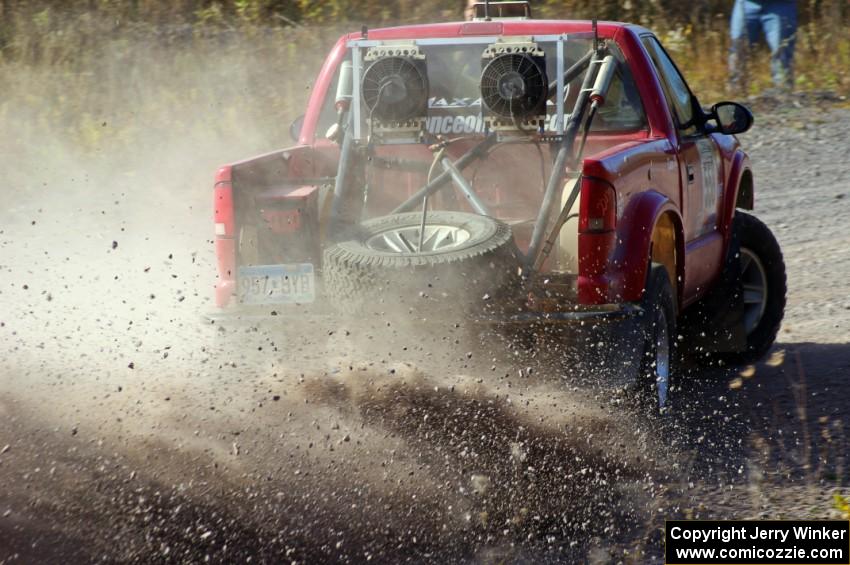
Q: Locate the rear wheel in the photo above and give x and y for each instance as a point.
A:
(659, 330)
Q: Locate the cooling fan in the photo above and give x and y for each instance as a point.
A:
(395, 89)
(514, 86)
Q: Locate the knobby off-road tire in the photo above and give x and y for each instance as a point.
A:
(761, 257)
(659, 329)
(471, 276)
(729, 326)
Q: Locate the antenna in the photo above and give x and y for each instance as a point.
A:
(595, 35)
(364, 32)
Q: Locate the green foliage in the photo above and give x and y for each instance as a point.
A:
(842, 504)
(210, 16)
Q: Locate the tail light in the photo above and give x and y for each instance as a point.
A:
(223, 203)
(598, 211)
(596, 240)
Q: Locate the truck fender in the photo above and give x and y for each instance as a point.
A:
(739, 183)
(630, 261)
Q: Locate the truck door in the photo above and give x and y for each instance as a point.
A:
(699, 164)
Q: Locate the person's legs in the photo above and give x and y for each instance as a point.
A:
(744, 28)
(779, 21)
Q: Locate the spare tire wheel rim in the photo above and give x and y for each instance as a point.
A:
(404, 240)
(662, 358)
(754, 283)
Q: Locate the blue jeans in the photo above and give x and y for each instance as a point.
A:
(777, 19)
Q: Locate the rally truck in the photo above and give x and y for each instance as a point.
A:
(522, 174)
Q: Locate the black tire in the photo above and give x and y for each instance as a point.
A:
(659, 330)
(474, 275)
(756, 238)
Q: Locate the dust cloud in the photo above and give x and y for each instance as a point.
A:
(129, 417)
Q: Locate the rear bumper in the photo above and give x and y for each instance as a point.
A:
(605, 314)
(580, 315)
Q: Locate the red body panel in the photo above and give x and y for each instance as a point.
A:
(225, 244)
(648, 170)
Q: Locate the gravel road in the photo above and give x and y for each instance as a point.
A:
(132, 431)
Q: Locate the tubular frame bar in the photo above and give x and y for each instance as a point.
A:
(559, 166)
(474, 153)
(474, 201)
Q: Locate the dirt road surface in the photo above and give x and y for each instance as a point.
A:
(131, 430)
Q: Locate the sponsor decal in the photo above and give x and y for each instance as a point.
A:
(454, 124)
(454, 102)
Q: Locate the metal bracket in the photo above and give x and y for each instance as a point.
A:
(513, 45)
(393, 49)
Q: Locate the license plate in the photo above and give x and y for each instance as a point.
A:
(277, 284)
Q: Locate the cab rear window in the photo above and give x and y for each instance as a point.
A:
(454, 104)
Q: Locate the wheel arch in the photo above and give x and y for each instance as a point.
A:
(651, 229)
(740, 191)
(745, 199)
(667, 248)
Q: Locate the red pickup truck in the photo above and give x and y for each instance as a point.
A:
(518, 173)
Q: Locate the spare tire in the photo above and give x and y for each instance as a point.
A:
(467, 263)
